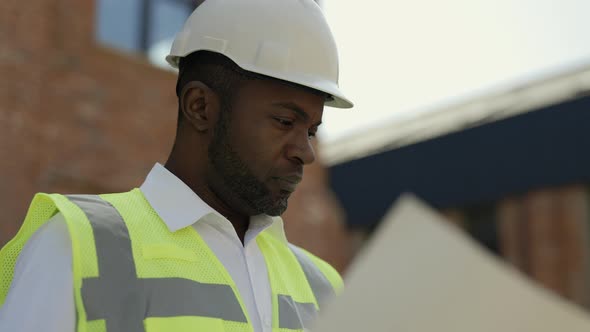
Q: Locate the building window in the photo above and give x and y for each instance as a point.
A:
(142, 26)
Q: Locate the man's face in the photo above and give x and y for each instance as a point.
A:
(261, 144)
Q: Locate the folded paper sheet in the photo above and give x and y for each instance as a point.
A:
(422, 274)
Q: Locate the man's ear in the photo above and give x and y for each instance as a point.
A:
(199, 105)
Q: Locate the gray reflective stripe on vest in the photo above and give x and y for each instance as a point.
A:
(320, 286)
(122, 299)
(295, 315)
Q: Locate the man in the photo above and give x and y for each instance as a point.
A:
(200, 245)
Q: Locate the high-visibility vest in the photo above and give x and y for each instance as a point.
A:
(132, 274)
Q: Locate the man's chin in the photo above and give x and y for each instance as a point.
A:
(278, 208)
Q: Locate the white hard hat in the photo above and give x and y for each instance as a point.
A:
(285, 39)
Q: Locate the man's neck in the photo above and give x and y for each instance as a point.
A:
(200, 187)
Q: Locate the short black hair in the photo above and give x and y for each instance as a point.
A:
(222, 75)
(215, 70)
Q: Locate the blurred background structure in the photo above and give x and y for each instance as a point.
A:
(85, 107)
(511, 169)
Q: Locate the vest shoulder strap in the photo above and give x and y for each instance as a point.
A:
(324, 280)
(42, 208)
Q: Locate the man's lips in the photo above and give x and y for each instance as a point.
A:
(288, 183)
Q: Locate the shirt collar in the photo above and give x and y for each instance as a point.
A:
(179, 206)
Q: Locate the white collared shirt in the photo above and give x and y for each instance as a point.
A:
(41, 296)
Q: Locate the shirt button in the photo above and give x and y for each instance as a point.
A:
(267, 321)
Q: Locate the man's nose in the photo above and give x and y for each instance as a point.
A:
(301, 150)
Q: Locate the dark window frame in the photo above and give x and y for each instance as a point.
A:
(145, 26)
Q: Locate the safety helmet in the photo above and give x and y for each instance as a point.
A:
(286, 39)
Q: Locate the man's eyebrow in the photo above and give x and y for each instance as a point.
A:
(297, 109)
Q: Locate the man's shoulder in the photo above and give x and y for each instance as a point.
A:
(56, 215)
(51, 240)
(48, 202)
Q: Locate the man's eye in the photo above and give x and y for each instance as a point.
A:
(284, 122)
(311, 134)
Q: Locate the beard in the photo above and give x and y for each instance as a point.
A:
(238, 183)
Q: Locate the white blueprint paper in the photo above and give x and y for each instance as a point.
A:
(421, 274)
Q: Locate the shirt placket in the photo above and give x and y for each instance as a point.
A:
(252, 264)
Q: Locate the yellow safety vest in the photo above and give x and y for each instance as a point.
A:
(132, 274)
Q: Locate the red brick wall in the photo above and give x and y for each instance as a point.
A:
(77, 117)
(545, 234)
(74, 116)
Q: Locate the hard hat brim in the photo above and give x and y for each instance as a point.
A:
(336, 100)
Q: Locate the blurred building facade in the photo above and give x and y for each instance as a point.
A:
(77, 116)
(512, 169)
